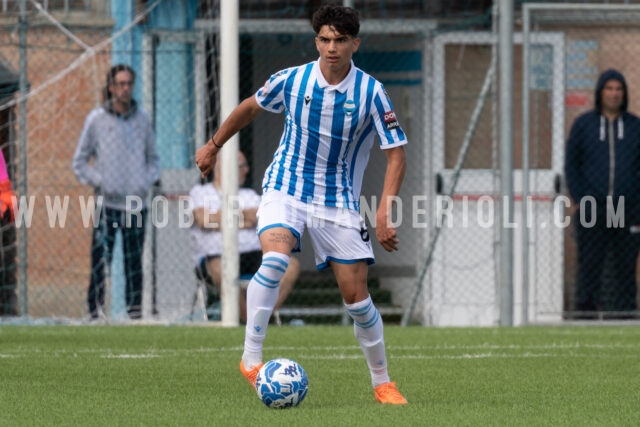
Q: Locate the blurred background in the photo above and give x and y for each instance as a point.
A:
(437, 60)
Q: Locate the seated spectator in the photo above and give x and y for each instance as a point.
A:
(207, 239)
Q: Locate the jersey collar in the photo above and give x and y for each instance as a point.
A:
(340, 87)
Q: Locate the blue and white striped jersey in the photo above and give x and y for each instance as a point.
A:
(328, 134)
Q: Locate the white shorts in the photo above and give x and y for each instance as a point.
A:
(337, 234)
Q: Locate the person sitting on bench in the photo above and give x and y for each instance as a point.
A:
(207, 238)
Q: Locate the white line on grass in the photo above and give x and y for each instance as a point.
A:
(129, 356)
(468, 356)
(333, 351)
(429, 357)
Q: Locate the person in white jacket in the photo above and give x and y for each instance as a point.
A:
(119, 138)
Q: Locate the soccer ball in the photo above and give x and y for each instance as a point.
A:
(282, 383)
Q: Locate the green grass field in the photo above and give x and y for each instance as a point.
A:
(188, 376)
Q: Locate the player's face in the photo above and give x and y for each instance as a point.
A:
(335, 50)
(612, 96)
(122, 87)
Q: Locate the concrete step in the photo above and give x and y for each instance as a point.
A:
(332, 314)
(326, 280)
(327, 296)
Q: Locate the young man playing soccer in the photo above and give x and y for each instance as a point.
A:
(333, 110)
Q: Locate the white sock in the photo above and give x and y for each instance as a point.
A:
(262, 295)
(368, 329)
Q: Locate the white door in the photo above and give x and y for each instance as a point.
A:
(463, 284)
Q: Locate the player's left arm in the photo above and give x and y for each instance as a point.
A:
(394, 175)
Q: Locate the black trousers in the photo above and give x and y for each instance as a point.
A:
(112, 220)
(606, 253)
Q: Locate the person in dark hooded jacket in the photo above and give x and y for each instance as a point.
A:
(602, 168)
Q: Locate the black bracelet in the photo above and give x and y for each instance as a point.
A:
(214, 143)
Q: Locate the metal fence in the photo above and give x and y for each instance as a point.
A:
(599, 257)
(442, 81)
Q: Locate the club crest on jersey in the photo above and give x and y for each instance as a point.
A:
(390, 120)
(349, 107)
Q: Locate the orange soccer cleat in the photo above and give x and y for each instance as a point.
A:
(250, 374)
(388, 393)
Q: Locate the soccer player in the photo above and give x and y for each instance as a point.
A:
(333, 110)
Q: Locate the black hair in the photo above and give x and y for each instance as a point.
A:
(111, 75)
(344, 20)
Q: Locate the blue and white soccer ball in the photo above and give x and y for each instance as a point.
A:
(282, 383)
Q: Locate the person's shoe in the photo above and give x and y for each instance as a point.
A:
(250, 374)
(388, 393)
(97, 314)
(135, 315)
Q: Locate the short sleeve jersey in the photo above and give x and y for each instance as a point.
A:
(207, 242)
(328, 133)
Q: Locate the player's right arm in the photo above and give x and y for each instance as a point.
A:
(270, 97)
(240, 117)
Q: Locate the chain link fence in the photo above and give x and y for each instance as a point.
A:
(441, 77)
(599, 257)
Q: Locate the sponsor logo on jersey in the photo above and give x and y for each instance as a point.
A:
(263, 90)
(390, 120)
(307, 99)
